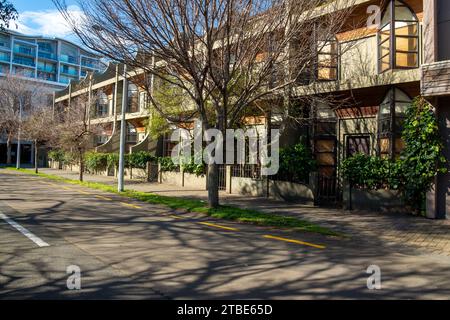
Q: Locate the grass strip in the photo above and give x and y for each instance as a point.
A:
(231, 213)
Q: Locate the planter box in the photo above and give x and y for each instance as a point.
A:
(290, 191)
(173, 178)
(248, 186)
(195, 182)
(375, 200)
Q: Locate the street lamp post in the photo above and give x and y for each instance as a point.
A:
(121, 187)
(18, 153)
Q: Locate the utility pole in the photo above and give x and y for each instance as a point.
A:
(18, 153)
(121, 187)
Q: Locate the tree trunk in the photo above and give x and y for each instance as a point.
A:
(8, 150)
(36, 153)
(81, 166)
(213, 186)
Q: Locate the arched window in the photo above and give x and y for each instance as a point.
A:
(327, 60)
(391, 117)
(398, 38)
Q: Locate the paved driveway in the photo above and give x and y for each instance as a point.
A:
(128, 249)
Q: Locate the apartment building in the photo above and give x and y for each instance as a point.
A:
(49, 63)
(48, 60)
(377, 69)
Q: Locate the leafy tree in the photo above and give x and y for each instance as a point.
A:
(7, 14)
(422, 158)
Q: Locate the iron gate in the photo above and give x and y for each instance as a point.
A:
(328, 191)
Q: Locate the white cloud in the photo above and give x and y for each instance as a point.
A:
(48, 23)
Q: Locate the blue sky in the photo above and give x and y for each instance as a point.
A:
(40, 17)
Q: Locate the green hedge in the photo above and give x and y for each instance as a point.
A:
(296, 163)
(369, 172)
(95, 161)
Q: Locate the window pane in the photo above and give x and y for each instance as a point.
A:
(408, 60)
(384, 145)
(406, 28)
(325, 146)
(402, 12)
(407, 44)
(326, 159)
(327, 73)
(357, 145)
(400, 107)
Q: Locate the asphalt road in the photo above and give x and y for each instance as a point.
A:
(127, 249)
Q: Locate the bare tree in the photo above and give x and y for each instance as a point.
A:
(74, 130)
(39, 127)
(225, 56)
(18, 96)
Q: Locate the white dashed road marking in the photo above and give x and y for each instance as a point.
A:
(38, 241)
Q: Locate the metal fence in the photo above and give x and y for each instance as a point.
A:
(252, 171)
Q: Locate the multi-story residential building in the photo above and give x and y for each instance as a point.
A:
(48, 60)
(376, 69)
(50, 63)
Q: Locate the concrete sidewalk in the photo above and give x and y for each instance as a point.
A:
(399, 231)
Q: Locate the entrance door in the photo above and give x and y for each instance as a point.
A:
(325, 149)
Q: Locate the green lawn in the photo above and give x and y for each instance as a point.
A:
(223, 212)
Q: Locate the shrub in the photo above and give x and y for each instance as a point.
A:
(140, 159)
(368, 172)
(112, 160)
(296, 163)
(168, 165)
(193, 168)
(56, 155)
(95, 161)
(422, 159)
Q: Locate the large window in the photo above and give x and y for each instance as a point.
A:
(133, 98)
(327, 60)
(391, 117)
(398, 38)
(102, 105)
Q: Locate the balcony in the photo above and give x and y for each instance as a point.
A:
(24, 61)
(4, 57)
(47, 55)
(70, 72)
(436, 79)
(30, 52)
(68, 59)
(89, 64)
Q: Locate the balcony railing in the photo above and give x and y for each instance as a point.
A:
(47, 55)
(24, 62)
(89, 64)
(4, 57)
(24, 50)
(68, 59)
(70, 72)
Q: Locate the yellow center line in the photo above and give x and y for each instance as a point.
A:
(67, 188)
(217, 226)
(176, 217)
(296, 242)
(130, 205)
(83, 192)
(103, 198)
